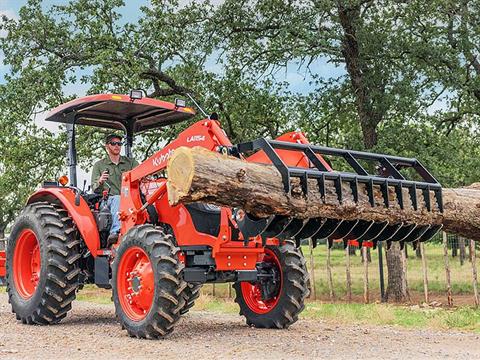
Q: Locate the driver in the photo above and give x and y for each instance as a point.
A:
(107, 175)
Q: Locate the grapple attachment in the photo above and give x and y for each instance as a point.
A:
(305, 162)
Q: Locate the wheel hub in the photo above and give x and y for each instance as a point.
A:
(262, 296)
(136, 287)
(26, 264)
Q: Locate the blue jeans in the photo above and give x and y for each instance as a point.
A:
(114, 203)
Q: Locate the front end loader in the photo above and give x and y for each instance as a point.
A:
(165, 253)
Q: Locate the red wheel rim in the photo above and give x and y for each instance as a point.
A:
(135, 283)
(26, 264)
(252, 293)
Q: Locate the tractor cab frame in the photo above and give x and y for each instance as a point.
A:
(131, 114)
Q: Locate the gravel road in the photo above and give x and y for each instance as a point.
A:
(91, 331)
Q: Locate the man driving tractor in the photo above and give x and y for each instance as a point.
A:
(107, 176)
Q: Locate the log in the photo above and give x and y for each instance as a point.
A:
(199, 175)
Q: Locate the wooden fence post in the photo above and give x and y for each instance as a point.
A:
(461, 248)
(403, 255)
(447, 269)
(366, 295)
(349, 279)
(474, 270)
(213, 290)
(313, 293)
(424, 268)
(329, 273)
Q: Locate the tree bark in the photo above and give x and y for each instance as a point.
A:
(397, 285)
(199, 175)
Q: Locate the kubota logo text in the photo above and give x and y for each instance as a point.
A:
(195, 138)
(159, 160)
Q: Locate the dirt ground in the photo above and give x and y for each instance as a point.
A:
(91, 331)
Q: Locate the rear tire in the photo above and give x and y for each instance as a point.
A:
(148, 285)
(42, 264)
(281, 310)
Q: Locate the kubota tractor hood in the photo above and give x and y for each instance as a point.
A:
(120, 112)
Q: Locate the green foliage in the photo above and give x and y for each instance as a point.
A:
(404, 76)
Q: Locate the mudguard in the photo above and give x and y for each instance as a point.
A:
(81, 214)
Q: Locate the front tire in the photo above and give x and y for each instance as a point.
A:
(288, 291)
(42, 264)
(148, 285)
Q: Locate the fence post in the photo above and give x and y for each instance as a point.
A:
(349, 279)
(424, 268)
(404, 270)
(329, 273)
(474, 270)
(313, 293)
(447, 269)
(366, 295)
(213, 290)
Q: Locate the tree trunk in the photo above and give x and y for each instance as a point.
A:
(197, 174)
(396, 286)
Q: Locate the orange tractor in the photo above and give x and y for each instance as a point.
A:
(165, 253)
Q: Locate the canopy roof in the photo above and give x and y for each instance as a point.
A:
(120, 112)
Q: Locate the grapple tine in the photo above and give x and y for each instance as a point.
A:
(310, 228)
(404, 232)
(344, 229)
(359, 230)
(402, 244)
(389, 244)
(276, 226)
(327, 229)
(417, 233)
(374, 231)
(293, 228)
(430, 233)
(389, 232)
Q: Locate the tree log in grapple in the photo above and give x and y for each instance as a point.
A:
(197, 175)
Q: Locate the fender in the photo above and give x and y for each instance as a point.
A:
(82, 215)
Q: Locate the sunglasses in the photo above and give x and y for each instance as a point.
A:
(113, 143)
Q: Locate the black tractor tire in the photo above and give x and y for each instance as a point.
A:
(169, 286)
(58, 281)
(191, 293)
(292, 293)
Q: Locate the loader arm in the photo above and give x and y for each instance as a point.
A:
(205, 133)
